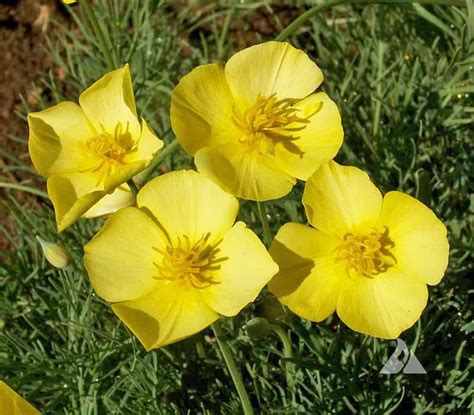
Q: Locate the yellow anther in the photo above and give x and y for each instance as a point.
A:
(367, 254)
(269, 121)
(191, 263)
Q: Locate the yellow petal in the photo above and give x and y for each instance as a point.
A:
(382, 306)
(168, 315)
(341, 199)
(201, 109)
(55, 137)
(245, 174)
(147, 147)
(272, 68)
(421, 246)
(186, 203)
(309, 281)
(120, 198)
(317, 143)
(243, 273)
(122, 173)
(119, 259)
(13, 404)
(72, 195)
(109, 102)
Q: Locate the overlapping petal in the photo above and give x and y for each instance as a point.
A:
(309, 280)
(167, 315)
(185, 203)
(119, 263)
(383, 306)
(72, 195)
(245, 174)
(272, 68)
(109, 103)
(243, 270)
(421, 247)
(146, 148)
(202, 109)
(341, 199)
(120, 198)
(57, 135)
(319, 140)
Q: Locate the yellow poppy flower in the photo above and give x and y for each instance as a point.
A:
(86, 152)
(255, 126)
(13, 404)
(369, 257)
(177, 260)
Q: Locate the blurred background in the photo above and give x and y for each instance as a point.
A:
(402, 76)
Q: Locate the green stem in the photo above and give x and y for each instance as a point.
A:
(160, 157)
(133, 187)
(298, 22)
(233, 370)
(287, 353)
(110, 61)
(267, 233)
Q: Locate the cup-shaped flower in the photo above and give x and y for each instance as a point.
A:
(255, 125)
(13, 404)
(175, 262)
(86, 152)
(368, 258)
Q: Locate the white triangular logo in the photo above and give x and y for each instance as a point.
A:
(402, 359)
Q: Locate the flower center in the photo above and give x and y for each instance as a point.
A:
(105, 146)
(267, 122)
(191, 263)
(368, 255)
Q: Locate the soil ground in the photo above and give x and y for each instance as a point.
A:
(24, 27)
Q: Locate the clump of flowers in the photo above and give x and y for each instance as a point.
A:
(172, 259)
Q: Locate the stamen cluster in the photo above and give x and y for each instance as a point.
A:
(191, 263)
(269, 121)
(367, 254)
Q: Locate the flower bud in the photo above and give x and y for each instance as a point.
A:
(258, 328)
(55, 254)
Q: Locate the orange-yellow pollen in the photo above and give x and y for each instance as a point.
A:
(191, 263)
(367, 254)
(103, 145)
(111, 147)
(267, 122)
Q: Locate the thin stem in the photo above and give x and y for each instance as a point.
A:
(133, 187)
(298, 22)
(110, 61)
(267, 233)
(159, 158)
(233, 370)
(287, 353)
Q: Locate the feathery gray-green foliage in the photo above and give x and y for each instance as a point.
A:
(402, 77)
